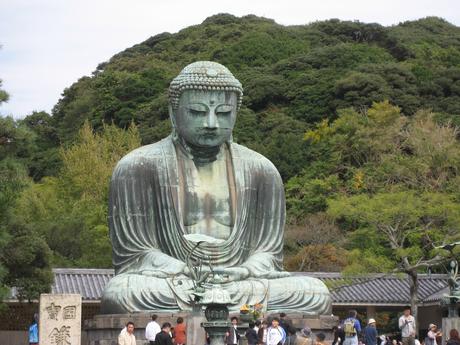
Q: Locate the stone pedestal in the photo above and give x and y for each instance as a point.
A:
(322, 323)
(104, 329)
(195, 333)
(449, 323)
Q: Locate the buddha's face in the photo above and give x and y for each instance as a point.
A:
(206, 118)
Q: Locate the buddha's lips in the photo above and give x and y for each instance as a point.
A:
(210, 135)
(214, 132)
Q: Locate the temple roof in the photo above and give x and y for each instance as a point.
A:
(88, 282)
(381, 289)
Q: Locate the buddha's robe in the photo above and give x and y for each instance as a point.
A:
(150, 250)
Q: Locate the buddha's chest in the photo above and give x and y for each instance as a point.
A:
(206, 198)
(206, 193)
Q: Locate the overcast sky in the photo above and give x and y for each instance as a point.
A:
(49, 44)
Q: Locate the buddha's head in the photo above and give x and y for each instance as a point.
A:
(204, 100)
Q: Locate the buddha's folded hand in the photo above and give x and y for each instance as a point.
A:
(196, 273)
(230, 274)
(277, 274)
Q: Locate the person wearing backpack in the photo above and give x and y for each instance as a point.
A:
(351, 328)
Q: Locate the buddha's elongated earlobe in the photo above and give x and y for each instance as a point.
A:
(172, 117)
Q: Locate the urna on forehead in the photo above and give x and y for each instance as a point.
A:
(206, 76)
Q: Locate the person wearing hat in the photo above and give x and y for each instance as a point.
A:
(370, 333)
(432, 334)
(306, 336)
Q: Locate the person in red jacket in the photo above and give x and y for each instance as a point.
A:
(180, 332)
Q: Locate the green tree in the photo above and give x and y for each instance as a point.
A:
(408, 223)
(390, 182)
(316, 82)
(43, 159)
(70, 210)
(13, 178)
(313, 244)
(27, 258)
(3, 94)
(308, 72)
(24, 258)
(16, 140)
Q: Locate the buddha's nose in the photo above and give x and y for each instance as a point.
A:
(211, 120)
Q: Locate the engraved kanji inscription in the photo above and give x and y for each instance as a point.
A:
(53, 311)
(69, 312)
(60, 336)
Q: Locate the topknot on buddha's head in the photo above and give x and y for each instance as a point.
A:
(204, 75)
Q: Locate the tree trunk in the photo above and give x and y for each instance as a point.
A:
(413, 290)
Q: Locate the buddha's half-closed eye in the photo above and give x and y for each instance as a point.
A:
(224, 109)
(197, 109)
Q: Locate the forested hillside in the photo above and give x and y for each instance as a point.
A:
(360, 119)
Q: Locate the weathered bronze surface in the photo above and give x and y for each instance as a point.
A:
(197, 183)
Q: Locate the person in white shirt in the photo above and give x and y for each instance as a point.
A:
(275, 333)
(232, 336)
(152, 329)
(407, 327)
(126, 336)
(257, 326)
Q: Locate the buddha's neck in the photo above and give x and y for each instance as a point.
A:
(199, 154)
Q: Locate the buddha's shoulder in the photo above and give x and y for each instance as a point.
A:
(151, 154)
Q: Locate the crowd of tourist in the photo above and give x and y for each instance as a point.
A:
(273, 331)
(156, 335)
(349, 333)
(280, 331)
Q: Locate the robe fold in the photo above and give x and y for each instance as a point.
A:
(150, 250)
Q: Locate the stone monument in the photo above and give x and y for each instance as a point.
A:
(198, 182)
(60, 319)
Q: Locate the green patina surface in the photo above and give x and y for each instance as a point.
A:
(197, 183)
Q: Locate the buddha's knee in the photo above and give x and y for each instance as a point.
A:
(114, 294)
(310, 284)
(302, 284)
(299, 293)
(134, 292)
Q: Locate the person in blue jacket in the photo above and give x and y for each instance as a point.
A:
(351, 327)
(370, 333)
(33, 331)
